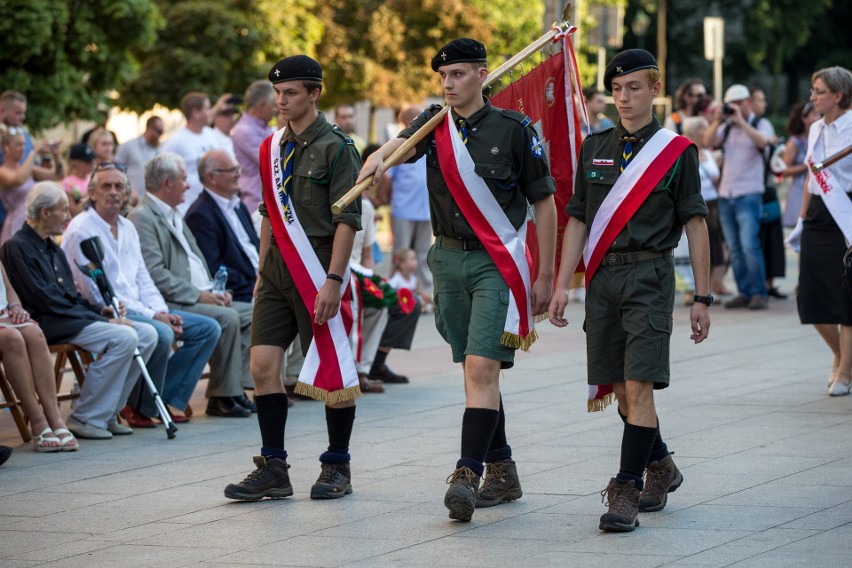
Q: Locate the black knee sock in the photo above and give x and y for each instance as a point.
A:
(636, 444)
(272, 418)
(339, 423)
(478, 426)
(379, 359)
(499, 449)
(660, 450)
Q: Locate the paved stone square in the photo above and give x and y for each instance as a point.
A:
(763, 449)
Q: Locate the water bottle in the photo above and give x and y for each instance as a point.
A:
(220, 281)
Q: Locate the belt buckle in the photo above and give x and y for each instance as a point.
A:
(612, 258)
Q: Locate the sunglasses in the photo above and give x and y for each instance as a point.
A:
(111, 166)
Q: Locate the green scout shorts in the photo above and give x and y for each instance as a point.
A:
(279, 312)
(471, 302)
(629, 322)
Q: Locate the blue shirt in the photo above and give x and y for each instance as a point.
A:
(409, 197)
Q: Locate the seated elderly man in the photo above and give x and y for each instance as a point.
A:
(38, 270)
(222, 225)
(175, 378)
(179, 271)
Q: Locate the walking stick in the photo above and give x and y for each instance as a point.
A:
(397, 157)
(93, 250)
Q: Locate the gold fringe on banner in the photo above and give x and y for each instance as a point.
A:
(577, 280)
(541, 317)
(515, 341)
(322, 395)
(600, 404)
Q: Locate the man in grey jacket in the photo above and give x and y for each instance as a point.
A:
(180, 272)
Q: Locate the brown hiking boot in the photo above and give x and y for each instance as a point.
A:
(335, 481)
(270, 479)
(622, 498)
(661, 478)
(461, 496)
(500, 485)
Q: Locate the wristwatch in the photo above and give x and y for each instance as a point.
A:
(706, 300)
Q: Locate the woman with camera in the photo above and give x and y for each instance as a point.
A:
(16, 176)
(825, 224)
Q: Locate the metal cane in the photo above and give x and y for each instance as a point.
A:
(93, 249)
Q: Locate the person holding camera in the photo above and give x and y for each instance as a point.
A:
(743, 138)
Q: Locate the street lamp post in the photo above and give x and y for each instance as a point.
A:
(714, 50)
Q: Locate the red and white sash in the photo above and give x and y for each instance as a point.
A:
(328, 373)
(832, 193)
(628, 193)
(505, 245)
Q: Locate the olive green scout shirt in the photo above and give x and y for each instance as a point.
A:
(325, 167)
(657, 224)
(507, 153)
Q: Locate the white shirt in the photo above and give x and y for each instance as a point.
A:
(198, 275)
(826, 140)
(191, 146)
(135, 154)
(397, 281)
(743, 172)
(367, 236)
(229, 210)
(123, 263)
(708, 173)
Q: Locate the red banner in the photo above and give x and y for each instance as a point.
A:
(542, 95)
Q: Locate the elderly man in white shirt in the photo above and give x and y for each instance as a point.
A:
(124, 266)
(178, 269)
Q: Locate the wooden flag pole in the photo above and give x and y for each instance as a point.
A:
(397, 157)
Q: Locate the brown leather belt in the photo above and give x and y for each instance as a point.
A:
(615, 258)
(460, 244)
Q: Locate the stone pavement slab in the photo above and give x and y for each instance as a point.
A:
(762, 448)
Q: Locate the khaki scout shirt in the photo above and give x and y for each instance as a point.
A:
(507, 153)
(325, 167)
(657, 224)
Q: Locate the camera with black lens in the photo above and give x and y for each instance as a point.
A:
(727, 109)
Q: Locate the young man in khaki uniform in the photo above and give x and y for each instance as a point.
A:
(322, 168)
(471, 295)
(630, 296)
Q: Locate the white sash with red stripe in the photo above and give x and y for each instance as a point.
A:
(505, 245)
(329, 372)
(832, 193)
(628, 193)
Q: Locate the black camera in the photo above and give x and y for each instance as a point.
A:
(727, 109)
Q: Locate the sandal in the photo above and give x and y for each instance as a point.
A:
(40, 442)
(67, 440)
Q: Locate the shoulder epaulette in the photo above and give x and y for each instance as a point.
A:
(515, 115)
(596, 132)
(339, 131)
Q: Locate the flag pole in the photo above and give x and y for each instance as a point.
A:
(396, 157)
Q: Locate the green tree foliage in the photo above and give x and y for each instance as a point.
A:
(380, 50)
(68, 56)
(205, 45)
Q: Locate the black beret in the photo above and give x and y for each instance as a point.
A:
(628, 61)
(296, 68)
(459, 51)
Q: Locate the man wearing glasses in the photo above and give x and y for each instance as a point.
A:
(135, 153)
(222, 225)
(174, 377)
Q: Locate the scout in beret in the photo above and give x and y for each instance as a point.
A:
(304, 168)
(629, 272)
(470, 309)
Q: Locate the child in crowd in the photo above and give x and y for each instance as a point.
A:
(405, 276)
(81, 160)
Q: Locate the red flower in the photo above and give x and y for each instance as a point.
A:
(406, 300)
(374, 290)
